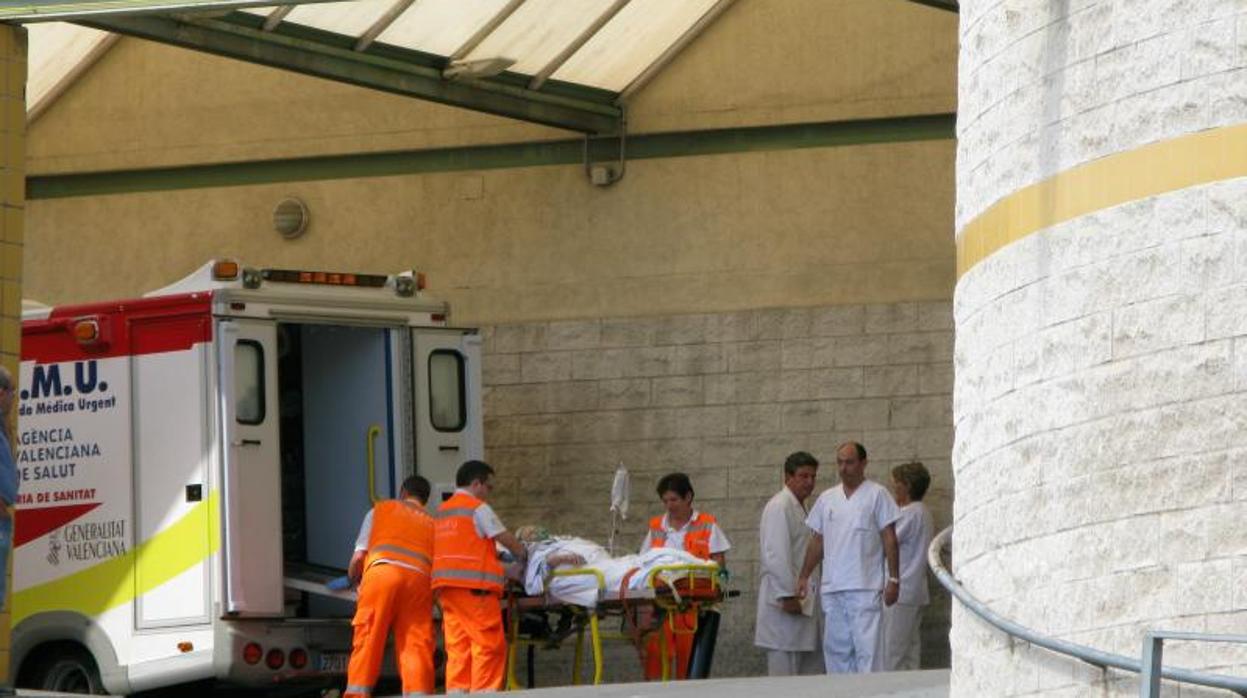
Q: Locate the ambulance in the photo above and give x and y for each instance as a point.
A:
(195, 462)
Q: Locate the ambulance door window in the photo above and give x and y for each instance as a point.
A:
(251, 469)
(447, 411)
(249, 382)
(447, 389)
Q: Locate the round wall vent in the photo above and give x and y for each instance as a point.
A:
(290, 218)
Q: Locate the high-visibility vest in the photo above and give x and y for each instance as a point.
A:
(461, 558)
(696, 534)
(402, 531)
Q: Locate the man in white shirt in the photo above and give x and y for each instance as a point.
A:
(854, 534)
(788, 627)
(914, 530)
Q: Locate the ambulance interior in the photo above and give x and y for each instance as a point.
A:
(341, 410)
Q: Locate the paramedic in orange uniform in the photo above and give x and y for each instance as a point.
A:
(696, 532)
(468, 581)
(394, 558)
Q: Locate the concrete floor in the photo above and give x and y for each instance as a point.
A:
(905, 684)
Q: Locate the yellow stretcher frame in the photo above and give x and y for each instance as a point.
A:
(666, 598)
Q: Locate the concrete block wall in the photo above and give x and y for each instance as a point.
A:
(724, 397)
(1100, 464)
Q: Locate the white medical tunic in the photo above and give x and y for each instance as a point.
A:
(902, 641)
(914, 530)
(784, 537)
(852, 548)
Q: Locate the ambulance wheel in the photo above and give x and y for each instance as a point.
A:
(69, 671)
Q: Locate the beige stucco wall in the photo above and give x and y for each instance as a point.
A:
(762, 62)
(797, 227)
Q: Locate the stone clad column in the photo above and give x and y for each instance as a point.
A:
(1101, 320)
(12, 208)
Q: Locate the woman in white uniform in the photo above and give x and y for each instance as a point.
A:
(914, 530)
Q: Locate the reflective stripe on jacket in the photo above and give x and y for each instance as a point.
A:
(402, 531)
(696, 534)
(461, 557)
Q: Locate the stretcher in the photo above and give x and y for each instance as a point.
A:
(668, 590)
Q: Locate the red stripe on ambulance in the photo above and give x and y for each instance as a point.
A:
(33, 523)
(103, 330)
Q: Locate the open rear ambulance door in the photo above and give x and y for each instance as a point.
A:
(348, 408)
(447, 367)
(251, 490)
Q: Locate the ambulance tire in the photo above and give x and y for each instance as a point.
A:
(71, 670)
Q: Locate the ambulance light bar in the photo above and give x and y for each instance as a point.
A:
(405, 284)
(327, 278)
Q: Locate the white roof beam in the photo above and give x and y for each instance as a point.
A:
(275, 17)
(39, 104)
(29, 11)
(382, 23)
(557, 62)
(487, 29)
(673, 50)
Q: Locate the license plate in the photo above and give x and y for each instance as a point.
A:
(333, 662)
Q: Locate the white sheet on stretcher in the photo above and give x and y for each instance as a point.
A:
(582, 590)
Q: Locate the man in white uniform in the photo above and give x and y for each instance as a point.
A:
(914, 530)
(788, 627)
(854, 534)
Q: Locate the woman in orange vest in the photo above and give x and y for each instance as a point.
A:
(696, 532)
(468, 580)
(392, 561)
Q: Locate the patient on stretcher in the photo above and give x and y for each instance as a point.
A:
(548, 553)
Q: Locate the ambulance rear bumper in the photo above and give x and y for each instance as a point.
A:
(266, 652)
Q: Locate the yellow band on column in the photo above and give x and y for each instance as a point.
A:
(1159, 168)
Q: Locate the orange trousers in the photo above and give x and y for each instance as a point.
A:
(391, 596)
(681, 642)
(476, 643)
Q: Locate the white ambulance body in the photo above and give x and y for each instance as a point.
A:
(186, 457)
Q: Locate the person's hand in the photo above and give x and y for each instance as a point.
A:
(891, 591)
(791, 604)
(803, 587)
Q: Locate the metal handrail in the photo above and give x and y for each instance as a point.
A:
(1083, 653)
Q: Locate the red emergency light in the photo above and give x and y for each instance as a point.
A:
(89, 332)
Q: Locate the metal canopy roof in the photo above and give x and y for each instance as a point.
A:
(565, 63)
